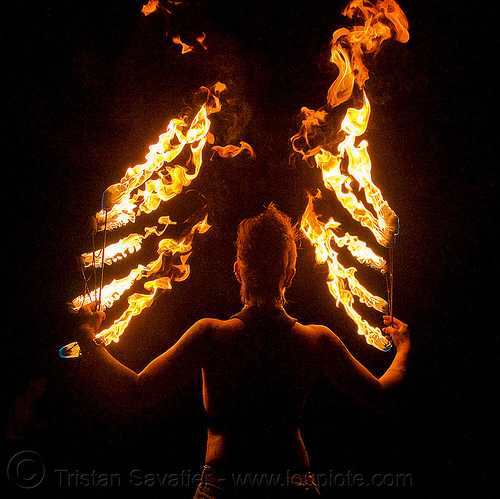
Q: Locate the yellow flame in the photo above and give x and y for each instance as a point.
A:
(230, 151)
(142, 189)
(381, 21)
(359, 168)
(173, 179)
(126, 246)
(341, 281)
(361, 251)
(137, 302)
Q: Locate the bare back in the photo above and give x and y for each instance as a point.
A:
(254, 389)
(257, 371)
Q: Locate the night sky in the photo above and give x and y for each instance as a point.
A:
(89, 85)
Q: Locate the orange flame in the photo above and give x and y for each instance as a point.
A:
(137, 302)
(185, 48)
(139, 191)
(230, 151)
(201, 40)
(381, 21)
(126, 246)
(189, 48)
(342, 282)
(150, 7)
(154, 6)
(172, 179)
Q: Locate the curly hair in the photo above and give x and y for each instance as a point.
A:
(266, 253)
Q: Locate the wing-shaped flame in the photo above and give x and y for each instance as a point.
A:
(349, 46)
(138, 191)
(341, 281)
(137, 302)
(142, 189)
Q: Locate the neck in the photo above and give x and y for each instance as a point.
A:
(264, 306)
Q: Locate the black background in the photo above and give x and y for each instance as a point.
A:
(89, 85)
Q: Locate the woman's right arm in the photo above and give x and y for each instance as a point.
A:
(120, 388)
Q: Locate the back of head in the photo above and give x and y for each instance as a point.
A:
(266, 253)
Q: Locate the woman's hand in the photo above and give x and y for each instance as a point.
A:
(398, 332)
(89, 318)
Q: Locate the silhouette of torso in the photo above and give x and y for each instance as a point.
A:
(254, 390)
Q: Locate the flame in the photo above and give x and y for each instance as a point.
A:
(126, 246)
(230, 151)
(170, 179)
(381, 21)
(201, 40)
(322, 235)
(142, 189)
(361, 251)
(359, 168)
(137, 302)
(189, 48)
(342, 282)
(155, 6)
(150, 7)
(185, 48)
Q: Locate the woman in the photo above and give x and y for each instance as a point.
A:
(257, 370)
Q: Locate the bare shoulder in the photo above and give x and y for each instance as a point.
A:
(214, 326)
(205, 323)
(321, 335)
